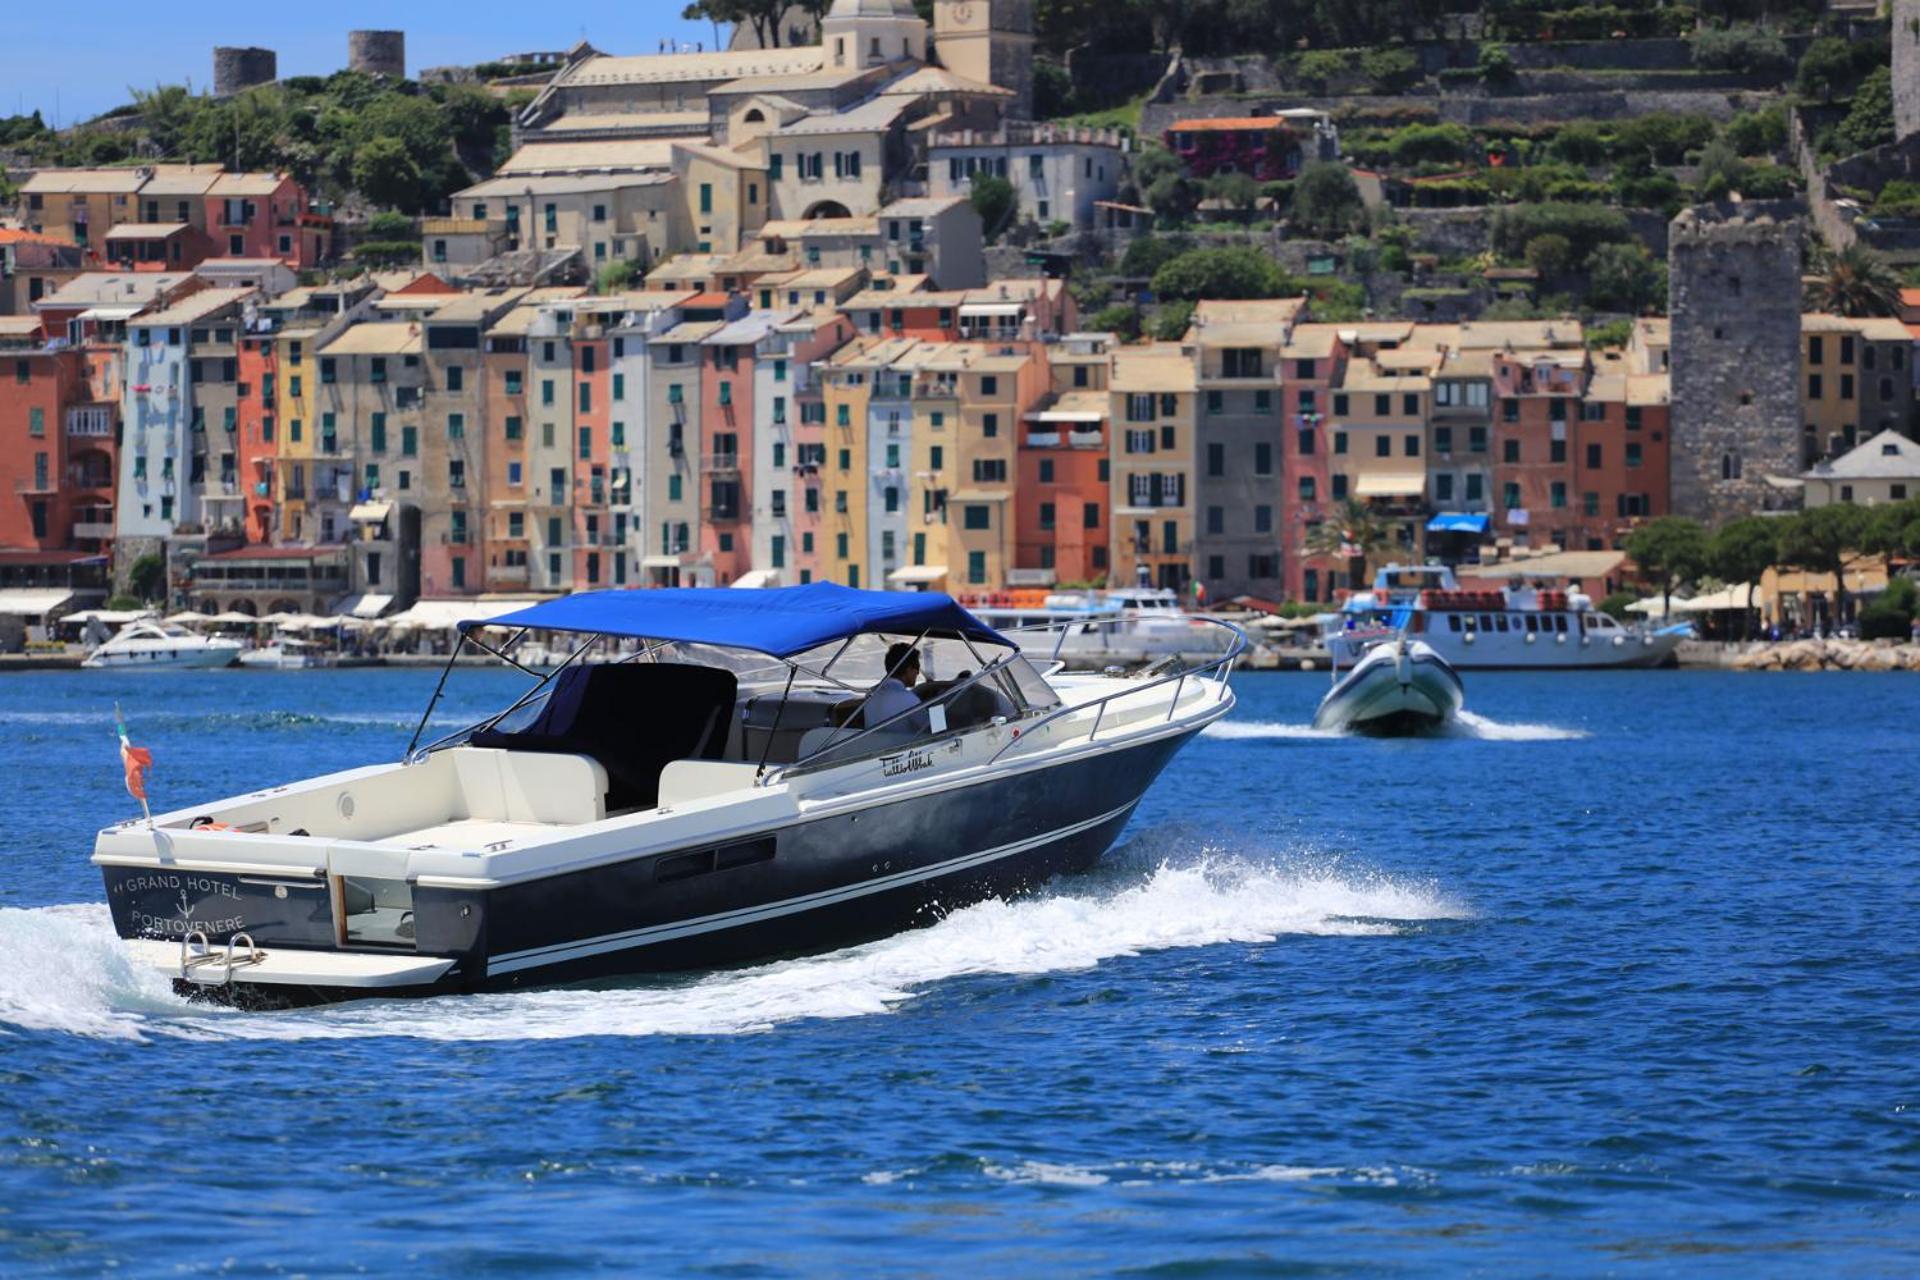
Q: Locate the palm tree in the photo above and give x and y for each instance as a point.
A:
(1354, 532)
(1854, 282)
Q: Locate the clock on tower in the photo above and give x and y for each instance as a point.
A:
(990, 41)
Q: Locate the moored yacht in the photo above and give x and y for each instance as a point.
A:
(1521, 627)
(1115, 625)
(153, 646)
(763, 774)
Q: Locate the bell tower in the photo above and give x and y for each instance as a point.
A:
(990, 41)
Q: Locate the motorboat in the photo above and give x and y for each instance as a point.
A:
(1522, 626)
(287, 654)
(153, 646)
(1125, 625)
(1401, 686)
(743, 783)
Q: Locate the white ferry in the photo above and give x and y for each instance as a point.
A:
(1520, 627)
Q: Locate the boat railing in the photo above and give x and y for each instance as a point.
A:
(862, 743)
(1216, 669)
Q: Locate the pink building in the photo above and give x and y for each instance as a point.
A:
(265, 215)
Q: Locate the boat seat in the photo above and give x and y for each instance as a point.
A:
(814, 740)
(633, 718)
(529, 786)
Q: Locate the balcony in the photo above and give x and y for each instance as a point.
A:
(93, 530)
(508, 573)
(93, 422)
(721, 464)
(36, 484)
(1043, 439)
(1093, 438)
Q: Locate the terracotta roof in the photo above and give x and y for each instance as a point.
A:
(1226, 122)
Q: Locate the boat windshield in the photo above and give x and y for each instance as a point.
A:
(824, 705)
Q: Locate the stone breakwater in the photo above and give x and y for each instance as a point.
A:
(1832, 655)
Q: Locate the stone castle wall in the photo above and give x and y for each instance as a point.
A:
(241, 67)
(1734, 298)
(378, 53)
(1906, 68)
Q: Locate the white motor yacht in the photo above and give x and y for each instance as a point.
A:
(729, 790)
(1401, 686)
(1099, 627)
(288, 654)
(154, 646)
(1520, 627)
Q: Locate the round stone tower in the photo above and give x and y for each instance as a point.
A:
(236, 68)
(378, 53)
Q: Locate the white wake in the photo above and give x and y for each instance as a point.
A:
(1466, 725)
(67, 973)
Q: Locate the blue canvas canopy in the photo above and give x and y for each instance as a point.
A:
(1458, 522)
(779, 621)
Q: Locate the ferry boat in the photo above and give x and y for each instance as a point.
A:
(155, 646)
(1520, 627)
(1122, 625)
(729, 791)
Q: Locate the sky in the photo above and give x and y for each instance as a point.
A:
(78, 69)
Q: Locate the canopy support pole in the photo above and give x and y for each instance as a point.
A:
(760, 773)
(434, 701)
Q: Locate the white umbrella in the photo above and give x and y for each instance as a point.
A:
(233, 618)
(276, 619)
(188, 615)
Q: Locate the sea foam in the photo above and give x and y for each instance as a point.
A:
(69, 974)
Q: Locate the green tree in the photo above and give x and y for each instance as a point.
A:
(1170, 322)
(1580, 142)
(993, 200)
(1625, 277)
(1326, 201)
(1164, 186)
(614, 276)
(147, 577)
(1120, 319)
(388, 225)
(1856, 281)
(1758, 133)
(1892, 531)
(1354, 533)
(1147, 254)
(1550, 254)
(385, 174)
(1869, 121)
(1669, 550)
(1826, 69)
(1740, 48)
(1826, 540)
(762, 17)
(1722, 171)
(1495, 65)
(1741, 551)
(1237, 272)
(1237, 191)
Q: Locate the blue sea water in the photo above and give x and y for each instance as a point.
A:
(1618, 979)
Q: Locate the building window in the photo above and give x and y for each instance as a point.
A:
(976, 516)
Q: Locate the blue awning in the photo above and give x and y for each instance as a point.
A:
(1458, 522)
(780, 621)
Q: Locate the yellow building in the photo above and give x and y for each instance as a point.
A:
(297, 373)
(1154, 391)
(846, 388)
(1856, 381)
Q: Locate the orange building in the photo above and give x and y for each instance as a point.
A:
(56, 449)
(1062, 509)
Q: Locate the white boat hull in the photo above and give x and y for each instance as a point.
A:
(1518, 650)
(162, 659)
(1393, 691)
